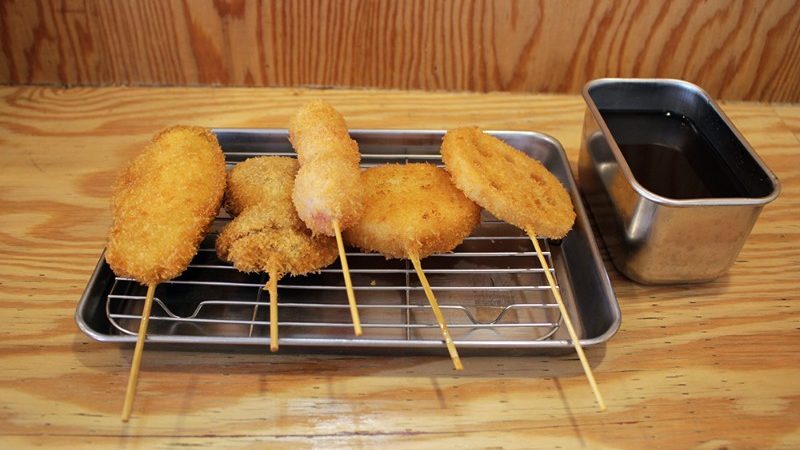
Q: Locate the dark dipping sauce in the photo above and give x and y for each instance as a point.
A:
(670, 157)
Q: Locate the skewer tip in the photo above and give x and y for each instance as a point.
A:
(133, 378)
(587, 369)
(448, 340)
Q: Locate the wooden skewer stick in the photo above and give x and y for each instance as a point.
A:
(451, 347)
(130, 393)
(272, 287)
(351, 296)
(572, 335)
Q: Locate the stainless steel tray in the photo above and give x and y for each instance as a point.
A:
(492, 289)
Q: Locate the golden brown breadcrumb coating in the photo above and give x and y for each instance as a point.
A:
(412, 208)
(328, 186)
(267, 235)
(317, 128)
(164, 203)
(265, 178)
(507, 182)
(255, 242)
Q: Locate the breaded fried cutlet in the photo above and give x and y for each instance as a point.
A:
(412, 209)
(256, 242)
(164, 203)
(261, 179)
(508, 183)
(327, 188)
(267, 235)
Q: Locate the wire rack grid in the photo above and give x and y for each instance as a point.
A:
(491, 289)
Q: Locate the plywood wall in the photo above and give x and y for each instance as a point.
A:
(734, 49)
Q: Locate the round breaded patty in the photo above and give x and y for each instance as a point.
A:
(164, 203)
(508, 183)
(255, 241)
(262, 179)
(411, 209)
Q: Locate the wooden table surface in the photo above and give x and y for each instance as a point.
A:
(708, 366)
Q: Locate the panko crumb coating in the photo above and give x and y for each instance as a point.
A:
(267, 235)
(262, 179)
(327, 187)
(256, 242)
(412, 209)
(318, 129)
(508, 183)
(164, 203)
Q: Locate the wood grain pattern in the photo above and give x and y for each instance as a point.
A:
(743, 49)
(709, 366)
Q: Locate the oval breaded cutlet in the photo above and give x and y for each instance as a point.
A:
(412, 209)
(508, 183)
(164, 203)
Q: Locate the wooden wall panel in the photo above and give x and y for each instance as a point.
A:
(735, 49)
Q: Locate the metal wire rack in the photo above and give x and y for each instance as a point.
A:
(491, 289)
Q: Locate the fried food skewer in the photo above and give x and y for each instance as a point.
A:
(521, 191)
(327, 191)
(397, 224)
(162, 207)
(266, 235)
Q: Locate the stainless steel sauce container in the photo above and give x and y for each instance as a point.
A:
(652, 238)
